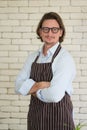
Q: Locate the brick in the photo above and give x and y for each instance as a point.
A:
(9, 22)
(29, 22)
(9, 109)
(83, 48)
(10, 121)
(11, 90)
(3, 126)
(9, 72)
(79, 54)
(81, 79)
(39, 3)
(29, 47)
(4, 115)
(69, 29)
(4, 78)
(79, 73)
(49, 9)
(4, 102)
(83, 110)
(80, 29)
(3, 16)
(81, 116)
(18, 126)
(17, 3)
(78, 16)
(59, 3)
(79, 41)
(84, 73)
(75, 35)
(80, 91)
(16, 66)
(73, 47)
(22, 29)
(29, 35)
(20, 103)
(9, 97)
(3, 91)
(85, 35)
(75, 85)
(76, 110)
(7, 84)
(82, 66)
(70, 9)
(24, 109)
(36, 41)
(8, 10)
(67, 41)
(5, 29)
(22, 59)
(23, 121)
(80, 3)
(35, 16)
(21, 41)
(79, 104)
(75, 97)
(83, 60)
(9, 47)
(5, 41)
(74, 23)
(27, 98)
(8, 60)
(11, 35)
(3, 3)
(19, 115)
(64, 16)
(77, 60)
(18, 16)
(3, 66)
(29, 9)
(83, 97)
(84, 9)
(18, 53)
(84, 22)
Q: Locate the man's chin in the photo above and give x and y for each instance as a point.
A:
(48, 42)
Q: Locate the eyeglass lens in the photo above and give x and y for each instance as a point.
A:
(54, 29)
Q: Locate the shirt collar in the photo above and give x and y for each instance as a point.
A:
(51, 50)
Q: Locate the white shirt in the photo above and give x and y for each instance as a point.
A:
(64, 72)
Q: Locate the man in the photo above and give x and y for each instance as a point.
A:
(47, 76)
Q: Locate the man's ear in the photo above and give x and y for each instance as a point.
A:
(40, 32)
(61, 32)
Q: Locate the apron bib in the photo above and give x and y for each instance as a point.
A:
(48, 116)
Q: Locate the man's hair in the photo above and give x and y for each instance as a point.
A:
(50, 16)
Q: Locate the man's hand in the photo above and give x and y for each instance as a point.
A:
(39, 85)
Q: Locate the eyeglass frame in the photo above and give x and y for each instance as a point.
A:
(42, 28)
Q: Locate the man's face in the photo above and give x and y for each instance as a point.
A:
(50, 31)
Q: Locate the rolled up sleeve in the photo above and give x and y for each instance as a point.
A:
(23, 82)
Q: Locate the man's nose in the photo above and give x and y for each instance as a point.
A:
(50, 31)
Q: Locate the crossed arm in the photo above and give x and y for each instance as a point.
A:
(37, 86)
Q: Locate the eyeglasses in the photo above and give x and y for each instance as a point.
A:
(53, 30)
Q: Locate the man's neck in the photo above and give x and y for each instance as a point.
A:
(46, 47)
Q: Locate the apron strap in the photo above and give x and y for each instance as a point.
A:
(36, 58)
(56, 53)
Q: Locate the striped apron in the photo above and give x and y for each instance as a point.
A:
(48, 116)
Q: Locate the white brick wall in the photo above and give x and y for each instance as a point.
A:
(18, 22)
